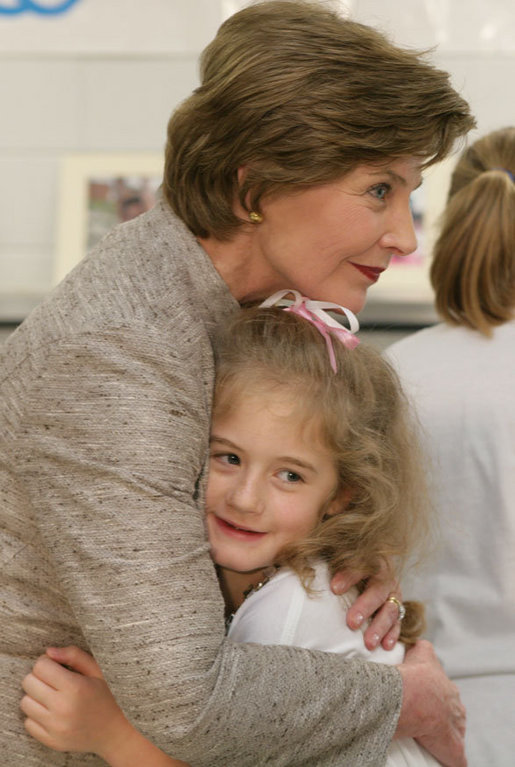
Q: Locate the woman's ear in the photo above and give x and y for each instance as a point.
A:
(242, 211)
(241, 174)
(339, 503)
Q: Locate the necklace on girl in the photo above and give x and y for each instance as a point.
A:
(268, 573)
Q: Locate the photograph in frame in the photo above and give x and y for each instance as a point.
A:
(97, 192)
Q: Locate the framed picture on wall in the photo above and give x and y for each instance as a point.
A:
(97, 192)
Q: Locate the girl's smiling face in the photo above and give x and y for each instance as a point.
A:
(270, 481)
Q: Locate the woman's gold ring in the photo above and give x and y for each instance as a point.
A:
(400, 606)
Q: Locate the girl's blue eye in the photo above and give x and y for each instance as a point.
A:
(229, 458)
(381, 191)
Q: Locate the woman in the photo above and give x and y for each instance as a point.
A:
(290, 166)
(460, 374)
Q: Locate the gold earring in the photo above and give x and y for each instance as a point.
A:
(256, 218)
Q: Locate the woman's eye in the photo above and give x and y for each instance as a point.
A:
(380, 191)
(290, 476)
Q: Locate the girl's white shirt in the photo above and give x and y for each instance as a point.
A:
(283, 613)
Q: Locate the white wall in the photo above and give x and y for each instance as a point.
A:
(106, 75)
(103, 77)
(474, 40)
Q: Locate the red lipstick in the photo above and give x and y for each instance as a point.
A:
(371, 272)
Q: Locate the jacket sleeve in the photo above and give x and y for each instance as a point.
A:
(113, 441)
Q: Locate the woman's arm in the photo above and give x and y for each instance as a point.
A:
(426, 691)
(282, 613)
(74, 710)
(121, 528)
(118, 523)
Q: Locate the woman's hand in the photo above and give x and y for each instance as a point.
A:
(431, 711)
(70, 711)
(384, 627)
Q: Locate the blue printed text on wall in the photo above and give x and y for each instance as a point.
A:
(42, 8)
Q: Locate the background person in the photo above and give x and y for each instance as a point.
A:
(314, 468)
(291, 166)
(460, 375)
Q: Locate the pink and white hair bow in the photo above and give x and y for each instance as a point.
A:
(314, 312)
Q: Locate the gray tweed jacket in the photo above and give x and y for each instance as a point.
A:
(104, 422)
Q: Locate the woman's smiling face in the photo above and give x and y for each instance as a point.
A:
(331, 242)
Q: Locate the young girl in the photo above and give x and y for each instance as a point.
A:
(313, 469)
(460, 374)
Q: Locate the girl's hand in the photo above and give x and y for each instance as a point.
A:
(70, 711)
(384, 627)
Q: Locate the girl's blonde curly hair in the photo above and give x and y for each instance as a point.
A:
(361, 416)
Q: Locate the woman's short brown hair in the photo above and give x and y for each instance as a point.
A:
(473, 269)
(299, 96)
